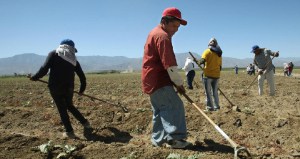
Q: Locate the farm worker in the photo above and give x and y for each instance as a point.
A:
(290, 68)
(189, 72)
(286, 69)
(212, 60)
(236, 69)
(159, 73)
(252, 69)
(263, 61)
(248, 70)
(63, 65)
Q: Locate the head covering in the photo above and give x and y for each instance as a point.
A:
(213, 42)
(68, 42)
(189, 59)
(66, 50)
(214, 46)
(174, 12)
(255, 47)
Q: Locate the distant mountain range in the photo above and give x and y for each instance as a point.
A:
(30, 63)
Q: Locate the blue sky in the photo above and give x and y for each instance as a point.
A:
(120, 27)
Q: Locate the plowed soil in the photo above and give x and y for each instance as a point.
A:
(268, 127)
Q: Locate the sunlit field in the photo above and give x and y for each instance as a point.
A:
(120, 114)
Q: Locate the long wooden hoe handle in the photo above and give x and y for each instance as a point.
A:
(117, 105)
(195, 60)
(258, 74)
(232, 143)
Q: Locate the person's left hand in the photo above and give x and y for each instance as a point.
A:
(80, 93)
(276, 54)
(31, 78)
(260, 71)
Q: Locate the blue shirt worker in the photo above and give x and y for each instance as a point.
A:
(263, 61)
(236, 69)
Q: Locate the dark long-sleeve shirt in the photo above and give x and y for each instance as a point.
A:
(62, 73)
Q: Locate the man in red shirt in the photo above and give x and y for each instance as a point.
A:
(159, 74)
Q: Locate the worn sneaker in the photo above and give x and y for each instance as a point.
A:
(69, 135)
(154, 144)
(87, 125)
(178, 144)
(208, 110)
(216, 108)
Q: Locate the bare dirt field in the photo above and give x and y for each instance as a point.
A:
(267, 126)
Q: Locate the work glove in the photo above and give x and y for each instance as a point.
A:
(276, 54)
(260, 71)
(201, 61)
(264, 72)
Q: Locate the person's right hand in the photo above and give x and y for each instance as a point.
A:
(28, 75)
(260, 71)
(80, 93)
(180, 89)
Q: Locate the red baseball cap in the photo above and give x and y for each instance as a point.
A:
(174, 12)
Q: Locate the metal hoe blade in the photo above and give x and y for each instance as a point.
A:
(238, 150)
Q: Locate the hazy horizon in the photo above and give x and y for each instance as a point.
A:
(113, 28)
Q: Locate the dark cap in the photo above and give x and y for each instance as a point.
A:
(68, 42)
(255, 47)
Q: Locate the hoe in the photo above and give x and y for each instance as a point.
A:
(238, 150)
(195, 60)
(244, 93)
(91, 97)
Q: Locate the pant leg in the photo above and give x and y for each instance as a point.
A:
(190, 78)
(207, 86)
(75, 112)
(270, 80)
(61, 105)
(215, 93)
(168, 116)
(261, 79)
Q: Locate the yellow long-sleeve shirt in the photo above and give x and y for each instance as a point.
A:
(213, 64)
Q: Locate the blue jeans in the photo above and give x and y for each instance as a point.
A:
(211, 89)
(168, 116)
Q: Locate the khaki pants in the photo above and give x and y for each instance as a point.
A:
(270, 79)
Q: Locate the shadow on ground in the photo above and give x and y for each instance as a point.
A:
(115, 135)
